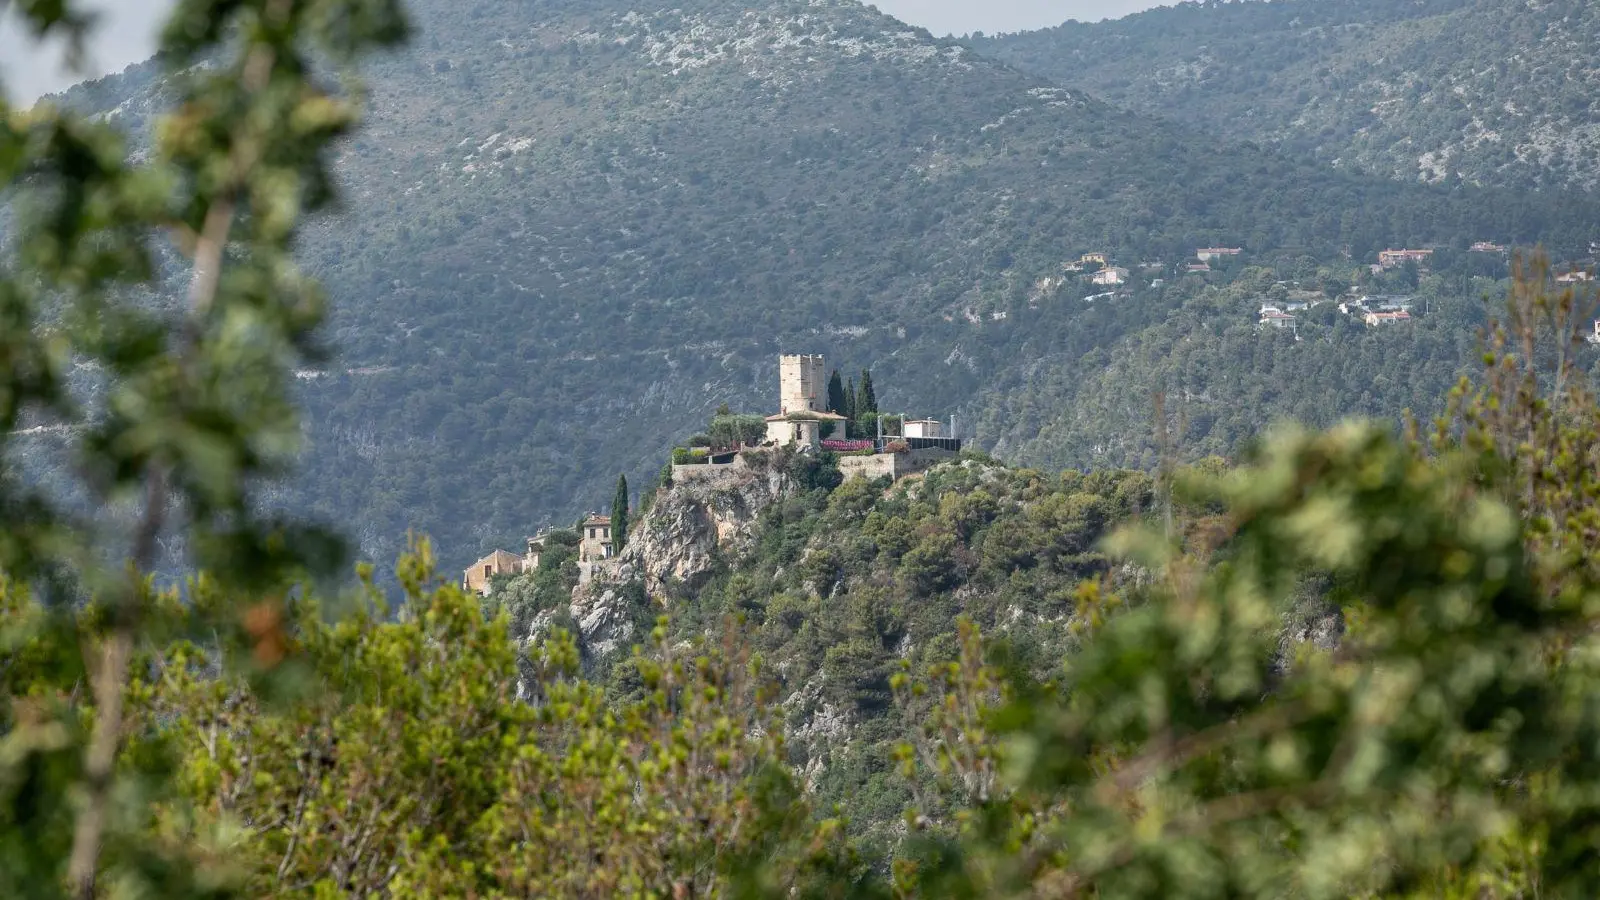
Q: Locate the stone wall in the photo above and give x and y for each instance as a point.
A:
(700, 471)
(894, 465)
(876, 466)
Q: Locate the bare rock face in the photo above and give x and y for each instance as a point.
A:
(680, 536)
(677, 541)
(605, 624)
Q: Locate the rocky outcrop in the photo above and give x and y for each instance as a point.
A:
(677, 541)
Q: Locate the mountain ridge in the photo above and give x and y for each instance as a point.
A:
(1484, 91)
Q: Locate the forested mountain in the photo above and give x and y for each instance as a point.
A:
(1485, 91)
(1345, 663)
(571, 229)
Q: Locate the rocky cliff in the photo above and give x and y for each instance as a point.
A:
(699, 518)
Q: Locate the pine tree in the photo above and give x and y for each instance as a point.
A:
(619, 515)
(836, 397)
(866, 400)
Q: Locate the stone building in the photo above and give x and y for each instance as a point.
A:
(803, 416)
(536, 547)
(924, 428)
(594, 539)
(477, 576)
(806, 429)
(802, 383)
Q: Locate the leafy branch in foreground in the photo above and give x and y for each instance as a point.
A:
(1179, 762)
(195, 410)
(1444, 748)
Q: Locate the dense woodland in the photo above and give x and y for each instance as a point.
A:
(1158, 652)
(1447, 91)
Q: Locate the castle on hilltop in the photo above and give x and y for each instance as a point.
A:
(802, 423)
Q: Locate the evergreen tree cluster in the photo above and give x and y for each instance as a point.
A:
(857, 402)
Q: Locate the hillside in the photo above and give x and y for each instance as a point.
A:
(840, 580)
(571, 230)
(1484, 91)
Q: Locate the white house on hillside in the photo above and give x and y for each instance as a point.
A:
(1271, 316)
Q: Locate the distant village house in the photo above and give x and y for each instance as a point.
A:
(1110, 275)
(1207, 254)
(1391, 259)
(1273, 317)
(1375, 319)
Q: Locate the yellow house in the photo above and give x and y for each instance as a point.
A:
(477, 577)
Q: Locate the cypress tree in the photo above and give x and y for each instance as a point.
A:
(836, 401)
(619, 515)
(849, 411)
(866, 400)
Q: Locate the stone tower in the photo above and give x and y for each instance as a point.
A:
(802, 384)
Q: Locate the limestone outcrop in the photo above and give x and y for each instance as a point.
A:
(676, 542)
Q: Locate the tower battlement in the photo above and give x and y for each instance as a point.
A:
(802, 383)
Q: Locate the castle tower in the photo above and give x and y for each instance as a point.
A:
(802, 384)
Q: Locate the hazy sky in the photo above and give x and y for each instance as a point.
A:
(126, 30)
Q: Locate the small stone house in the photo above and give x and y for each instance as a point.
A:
(924, 428)
(594, 539)
(806, 428)
(536, 545)
(478, 576)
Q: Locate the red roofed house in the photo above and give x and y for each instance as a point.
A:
(1277, 318)
(1375, 319)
